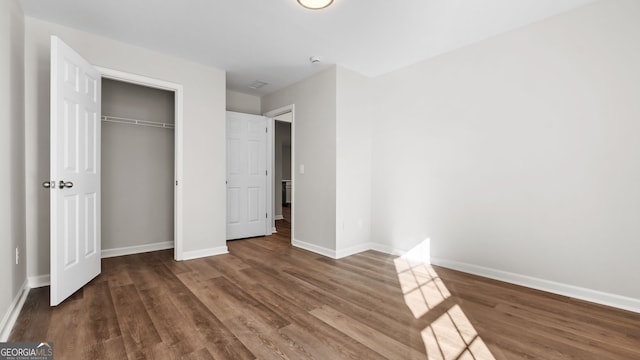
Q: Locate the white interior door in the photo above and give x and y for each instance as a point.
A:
(75, 171)
(246, 175)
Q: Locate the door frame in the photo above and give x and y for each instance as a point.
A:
(177, 89)
(270, 179)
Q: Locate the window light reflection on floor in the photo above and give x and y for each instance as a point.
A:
(450, 336)
(422, 288)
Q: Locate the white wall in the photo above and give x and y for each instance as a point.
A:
(204, 138)
(12, 189)
(520, 153)
(315, 148)
(353, 162)
(243, 103)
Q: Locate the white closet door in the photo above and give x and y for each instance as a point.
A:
(246, 175)
(75, 171)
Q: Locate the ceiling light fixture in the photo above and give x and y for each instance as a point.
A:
(315, 4)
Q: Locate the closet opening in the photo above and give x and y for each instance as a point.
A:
(140, 143)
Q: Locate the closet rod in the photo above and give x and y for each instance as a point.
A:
(120, 120)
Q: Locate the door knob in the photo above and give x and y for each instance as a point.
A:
(49, 184)
(67, 184)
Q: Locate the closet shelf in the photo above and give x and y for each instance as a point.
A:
(120, 120)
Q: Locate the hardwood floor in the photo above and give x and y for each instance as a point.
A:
(269, 300)
(286, 213)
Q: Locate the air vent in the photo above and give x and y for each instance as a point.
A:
(258, 84)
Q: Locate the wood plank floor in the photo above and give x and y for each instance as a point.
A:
(268, 300)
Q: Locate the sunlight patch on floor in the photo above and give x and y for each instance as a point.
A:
(451, 336)
(422, 288)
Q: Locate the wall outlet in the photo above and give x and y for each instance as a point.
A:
(17, 256)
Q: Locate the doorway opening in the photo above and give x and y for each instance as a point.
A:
(137, 168)
(282, 170)
(141, 165)
(283, 174)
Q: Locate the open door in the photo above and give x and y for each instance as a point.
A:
(75, 171)
(246, 176)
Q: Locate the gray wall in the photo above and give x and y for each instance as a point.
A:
(333, 142)
(12, 175)
(203, 182)
(353, 161)
(286, 158)
(127, 100)
(137, 166)
(282, 161)
(520, 153)
(243, 103)
(315, 136)
(515, 156)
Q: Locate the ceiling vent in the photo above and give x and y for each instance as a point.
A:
(258, 84)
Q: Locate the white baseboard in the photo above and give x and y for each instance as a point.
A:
(314, 248)
(387, 249)
(278, 217)
(189, 255)
(598, 297)
(341, 253)
(39, 281)
(595, 296)
(137, 249)
(45, 280)
(10, 317)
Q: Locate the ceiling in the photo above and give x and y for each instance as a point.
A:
(272, 40)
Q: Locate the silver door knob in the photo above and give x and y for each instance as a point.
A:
(67, 184)
(47, 184)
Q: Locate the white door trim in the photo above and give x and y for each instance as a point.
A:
(270, 228)
(270, 205)
(178, 142)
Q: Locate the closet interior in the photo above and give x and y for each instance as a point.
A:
(137, 167)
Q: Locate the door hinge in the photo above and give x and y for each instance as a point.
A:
(266, 172)
(266, 215)
(266, 130)
(176, 182)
